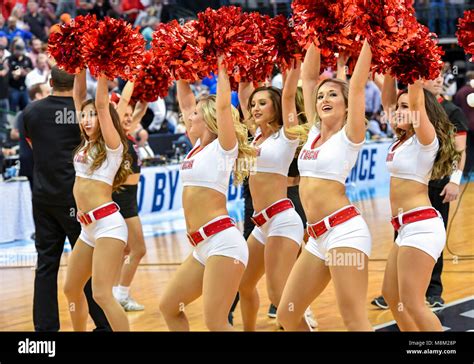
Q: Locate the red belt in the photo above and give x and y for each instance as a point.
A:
(87, 218)
(318, 229)
(209, 230)
(409, 217)
(280, 206)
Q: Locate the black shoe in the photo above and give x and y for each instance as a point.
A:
(380, 303)
(434, 302)
(272, 311)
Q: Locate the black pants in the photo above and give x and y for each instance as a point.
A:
(52, 225)
(436, 286)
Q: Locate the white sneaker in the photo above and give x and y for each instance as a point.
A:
(310, 320)
(129, 304)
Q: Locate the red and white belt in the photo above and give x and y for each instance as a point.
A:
(210, 229)
(321, 227)
(87, 218)
(413, 216)
(280, 206)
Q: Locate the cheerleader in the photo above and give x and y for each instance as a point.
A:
(217, 263)
(424, 150)
(126, 198)
(340, 242)
(102, 165)
(278, 233)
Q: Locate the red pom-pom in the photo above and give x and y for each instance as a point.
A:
(419, 58)
(399, 44)
(153, 79)
(179, 47)
(465, 32)
(332, 25)
(113, 49)
(233, 34)
(287, 48)
(66, 46)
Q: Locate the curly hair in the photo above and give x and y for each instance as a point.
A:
(447, 156)
(100, 151)
(247, 153)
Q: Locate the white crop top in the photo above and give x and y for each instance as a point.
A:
(276, 153)
(106, 172)
(209, 167)
(333, 160)
(412, 160)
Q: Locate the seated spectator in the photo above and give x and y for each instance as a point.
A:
(40, 73)
(13, 31)
(379, 128)
(36, 21)
(36, 49)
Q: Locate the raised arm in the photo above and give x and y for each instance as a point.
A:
(125, 98)
(355, 129)
(138, 113)
(225, 122)
(79, 92)
(342, 66)
(107, 128)
(389, 94)
(424, 130)
(288, 99)
(310, 78)
(245, 90)
(187, 104)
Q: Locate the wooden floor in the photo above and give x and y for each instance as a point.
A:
(166, 252)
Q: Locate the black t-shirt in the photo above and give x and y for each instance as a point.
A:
(13, 63)
(51, 126)
(458, 119)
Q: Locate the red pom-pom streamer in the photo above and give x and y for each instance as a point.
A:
(180, 48)
(287, 48)
(66, 46)
(465, 32)
(153, 79)
(113, 49)
(233, 34)
(400, 45)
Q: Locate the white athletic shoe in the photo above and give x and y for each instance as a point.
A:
(310, 320)
(129, 304)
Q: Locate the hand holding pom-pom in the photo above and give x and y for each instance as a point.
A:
(114, 49)
(66, 46)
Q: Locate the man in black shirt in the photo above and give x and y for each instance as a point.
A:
(51, 128)
(19, 65)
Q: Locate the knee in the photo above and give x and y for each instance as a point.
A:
(412, 306)
(216, 324)
(169, 307)
(390, 295)
(355, 317)
(70, 290)
(287, 318)
(101, 295)
(247, 289)
(138, 252)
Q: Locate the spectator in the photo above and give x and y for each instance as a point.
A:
(36, 49)
(130, 9)
(53, 140)
(36, 21)
(373, 100)
(158, 108)
(4, 104)
(40, 73)
(19, 66)
(101, 8)
(66, 6)
(14, 31)
(379, 128)
(460, 99)
(85, 7)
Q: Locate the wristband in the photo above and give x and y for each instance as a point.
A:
(456, 177)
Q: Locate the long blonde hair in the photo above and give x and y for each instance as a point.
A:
(247, 153)
(100, 152)
(301, 131)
